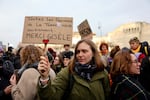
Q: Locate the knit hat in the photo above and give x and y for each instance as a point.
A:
(67, 55)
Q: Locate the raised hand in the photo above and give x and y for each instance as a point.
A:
(44, 67)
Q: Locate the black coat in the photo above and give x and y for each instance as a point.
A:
(4, 82)
(145, 49)
(126, 87)
(144, 77)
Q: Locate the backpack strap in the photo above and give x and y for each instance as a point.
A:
(145, 48)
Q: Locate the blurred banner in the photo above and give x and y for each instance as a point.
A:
(58, 30)
(84, 29)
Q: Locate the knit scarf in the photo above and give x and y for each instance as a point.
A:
(86, 71)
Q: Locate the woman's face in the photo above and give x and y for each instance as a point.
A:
(104, 49)
(66, 61)
(135, 65)
(84, 53)
(56, 61)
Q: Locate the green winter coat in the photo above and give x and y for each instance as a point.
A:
(96, 89)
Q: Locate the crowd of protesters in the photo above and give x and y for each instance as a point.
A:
(85, 73)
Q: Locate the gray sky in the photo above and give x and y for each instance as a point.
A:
(108, 14)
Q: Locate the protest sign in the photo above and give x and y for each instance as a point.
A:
(58, 30)
(84, 29)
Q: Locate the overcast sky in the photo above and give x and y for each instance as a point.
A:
(108, 14)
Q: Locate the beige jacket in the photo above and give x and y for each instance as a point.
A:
(26, 88)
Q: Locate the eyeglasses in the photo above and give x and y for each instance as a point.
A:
(56, 59)
(135, 61)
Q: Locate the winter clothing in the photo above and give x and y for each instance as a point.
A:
(95, 89)
(126, 87)
(5, 74)
(144, 77)
(57, 68)
(4, 82)
(26, 88)
(86, 71)
(143, 48)
(67, 54)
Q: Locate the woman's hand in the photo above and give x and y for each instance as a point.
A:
(7, 90)
(44, 67)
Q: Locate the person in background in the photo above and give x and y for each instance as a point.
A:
(124, 71)
(91, 80)
(105, 52)
(144, 78)
(106, 63)
(5, 86)
(66, 59)
(67, 49)
(104, 49)
(142, 49)
(136, 46)
(58, 63)
(52, 52)
(1, 51)
(17, 62)
(109, 60)
(24, 81)
(113, 51)
(9, 55)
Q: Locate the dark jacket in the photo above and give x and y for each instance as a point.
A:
(145, 49)
(57, 68)
(144, 77)
(5, 73)
(4, 82)
(127, 87)
(96, 89)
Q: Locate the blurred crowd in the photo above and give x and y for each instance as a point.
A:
(31, 73)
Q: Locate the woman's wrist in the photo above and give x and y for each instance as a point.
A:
(44, 81)
(44, 76)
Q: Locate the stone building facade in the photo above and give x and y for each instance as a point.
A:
(124, 33)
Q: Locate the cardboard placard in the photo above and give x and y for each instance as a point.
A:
(84, 28)
(58, 30)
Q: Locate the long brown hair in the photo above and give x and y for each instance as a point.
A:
(96, 56)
